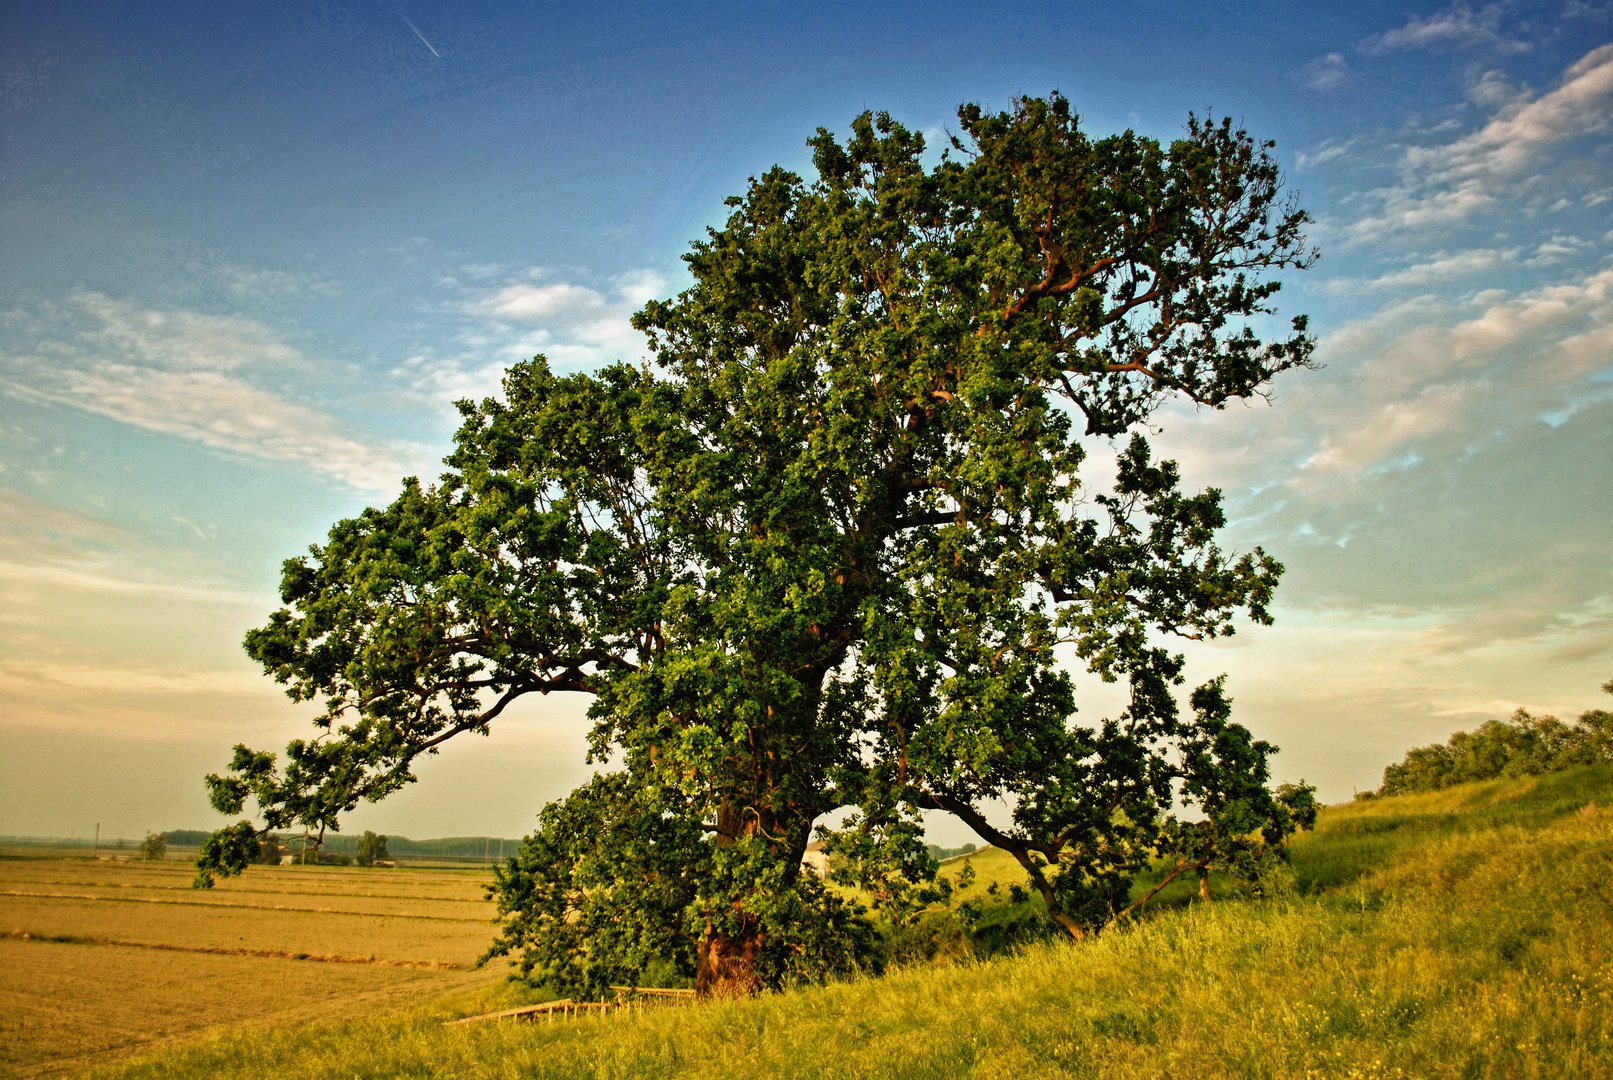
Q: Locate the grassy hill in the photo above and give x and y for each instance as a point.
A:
(1462, 933)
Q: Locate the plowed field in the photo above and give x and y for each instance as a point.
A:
(99, 958)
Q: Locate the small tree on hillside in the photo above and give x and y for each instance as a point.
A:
(823, 558)
(154, 846)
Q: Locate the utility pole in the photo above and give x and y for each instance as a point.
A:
(96, 850)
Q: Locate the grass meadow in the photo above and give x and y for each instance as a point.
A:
(1462, 933)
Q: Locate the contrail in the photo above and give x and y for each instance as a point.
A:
(421, 36)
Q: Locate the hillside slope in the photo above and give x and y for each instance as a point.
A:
(1462, 933)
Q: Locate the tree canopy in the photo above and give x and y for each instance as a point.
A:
(827, 558)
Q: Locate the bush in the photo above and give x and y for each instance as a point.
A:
(155, 846)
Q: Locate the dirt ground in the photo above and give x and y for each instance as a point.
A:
(103, 958)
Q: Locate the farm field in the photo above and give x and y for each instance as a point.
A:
(99, 958)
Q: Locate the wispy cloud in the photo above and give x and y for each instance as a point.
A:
(513, 316)
(1509, 144)
(1438, 269)
(1493, 89)
(51, 553)
(1325, 151)
(1442, 185)
(261, 285)
(1326, 72)
(1456, 27)
(1424, 371)
(203, 378)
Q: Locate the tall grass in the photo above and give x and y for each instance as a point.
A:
(1462, 933)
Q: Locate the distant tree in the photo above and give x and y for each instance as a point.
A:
(371, 848)
(941, 854)
(187, 837)
(155, 846)
(269, 850)
(824, 558)
(1524, 745)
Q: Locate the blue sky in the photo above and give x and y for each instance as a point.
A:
(251, 255)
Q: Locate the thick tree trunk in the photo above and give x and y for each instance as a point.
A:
(1204, 884)
(727, 965)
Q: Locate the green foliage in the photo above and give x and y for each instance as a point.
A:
(154, 846)
(227, 851)
(819, 558)
(581, 925)
(371, 847)
(1525, 745)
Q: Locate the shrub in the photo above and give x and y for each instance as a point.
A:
(155, 846)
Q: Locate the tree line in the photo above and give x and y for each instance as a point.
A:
(1524, 745)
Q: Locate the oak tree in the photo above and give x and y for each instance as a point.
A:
(828, 559)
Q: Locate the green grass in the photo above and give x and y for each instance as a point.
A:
(1460, 933)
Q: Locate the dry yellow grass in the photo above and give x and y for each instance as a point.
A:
(139, 957)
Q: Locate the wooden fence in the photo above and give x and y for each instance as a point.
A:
(627, 997)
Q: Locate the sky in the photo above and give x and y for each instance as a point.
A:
(251, 254)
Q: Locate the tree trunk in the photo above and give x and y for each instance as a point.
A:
(1067, 924)
(727, 964)
(1204, 884)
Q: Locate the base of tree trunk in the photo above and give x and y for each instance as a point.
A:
(727, 967)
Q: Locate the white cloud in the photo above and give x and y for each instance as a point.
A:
(1509, 145)
(1559, 249)
(1437, 492)
(1325, 151)
(1446, 184)
(1326, 72)
(1493, 89)
(1439, 269)
(534, 311)
(557, 302)
(1425, 370)
(193, 376)
(1458, 26)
